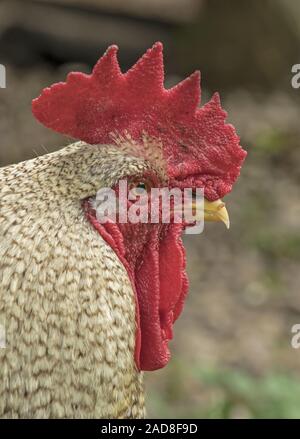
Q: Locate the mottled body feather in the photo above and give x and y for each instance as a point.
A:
(66, 301)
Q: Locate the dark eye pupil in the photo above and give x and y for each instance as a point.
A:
(141, 186)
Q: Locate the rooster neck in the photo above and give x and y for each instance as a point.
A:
(67, 305)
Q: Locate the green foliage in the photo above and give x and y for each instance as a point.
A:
(272, 396)
(272, 142)
(274, 245)
(228, 393)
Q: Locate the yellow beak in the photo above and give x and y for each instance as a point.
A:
(216, 211)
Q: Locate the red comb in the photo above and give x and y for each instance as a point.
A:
(200, 148)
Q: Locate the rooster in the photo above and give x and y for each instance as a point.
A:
(88, 306)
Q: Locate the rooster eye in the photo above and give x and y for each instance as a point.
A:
(140, 187)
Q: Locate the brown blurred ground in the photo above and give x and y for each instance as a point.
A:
(232, 355)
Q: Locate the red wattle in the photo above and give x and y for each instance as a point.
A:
(154, 258)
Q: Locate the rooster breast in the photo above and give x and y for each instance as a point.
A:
(67, 306)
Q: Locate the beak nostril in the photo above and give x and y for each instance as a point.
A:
(196, 196)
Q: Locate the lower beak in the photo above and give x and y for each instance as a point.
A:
(216, 211)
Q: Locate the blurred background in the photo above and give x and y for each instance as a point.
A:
(232, 353)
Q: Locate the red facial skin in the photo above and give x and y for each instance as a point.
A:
(154, 257)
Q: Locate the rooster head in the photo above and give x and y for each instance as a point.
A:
(169, 140)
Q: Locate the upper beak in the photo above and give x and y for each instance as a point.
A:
(216, 211)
